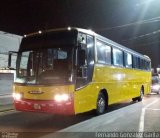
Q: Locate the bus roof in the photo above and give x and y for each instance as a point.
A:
(90, 32)
(110, 42)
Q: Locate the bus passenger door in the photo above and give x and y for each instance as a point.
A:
(85, 59)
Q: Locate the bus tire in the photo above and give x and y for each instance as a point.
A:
(141, 95)
(134, 99)
(101, 104)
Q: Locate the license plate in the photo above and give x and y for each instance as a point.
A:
(37, 106)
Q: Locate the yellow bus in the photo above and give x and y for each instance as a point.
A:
(73, 70)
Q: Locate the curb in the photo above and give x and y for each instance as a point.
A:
(5, 108)
(5, 100)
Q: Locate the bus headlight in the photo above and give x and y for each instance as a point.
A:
(17, 96)
(61, 97)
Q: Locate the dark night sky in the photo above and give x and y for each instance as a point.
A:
(25, 16)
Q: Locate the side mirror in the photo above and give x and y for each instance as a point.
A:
(81, 57)
(10, 55)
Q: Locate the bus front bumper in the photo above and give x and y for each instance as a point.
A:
(45, 106)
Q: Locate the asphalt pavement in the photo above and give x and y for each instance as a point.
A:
(121, 117)
(141, 118)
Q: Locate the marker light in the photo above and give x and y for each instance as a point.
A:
(69, 28)
(61, 97)
(17, 96)
(39, 31)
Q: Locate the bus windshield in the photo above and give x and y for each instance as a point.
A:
(45, 66)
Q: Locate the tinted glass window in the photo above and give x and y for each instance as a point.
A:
(107, 54)
(49, 40)
(142, 64)
(136, 62)
(90, 54)
(128, 60)
(117, 57)
(103, 53)
(147, 65)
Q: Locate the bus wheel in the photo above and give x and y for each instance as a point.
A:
(134, 99)
(101, 104)
(141, 95)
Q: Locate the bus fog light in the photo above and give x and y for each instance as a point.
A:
(61, 97)
(17, 96)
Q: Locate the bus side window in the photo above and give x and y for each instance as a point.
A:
(148, 65)
(117, 57)
(107, 52)
(128, 60)
(142, 64)
(103, 53)
(136, 62)
(100, 52)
